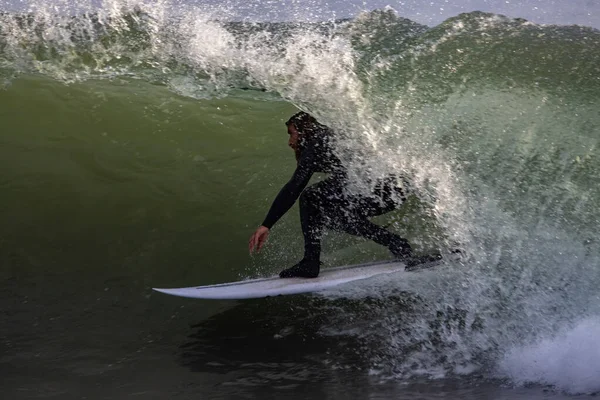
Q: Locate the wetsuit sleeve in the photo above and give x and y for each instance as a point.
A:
(291, 191)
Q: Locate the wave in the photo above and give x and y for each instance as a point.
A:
(493, 119)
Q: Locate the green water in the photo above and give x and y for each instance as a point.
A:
(94, 172)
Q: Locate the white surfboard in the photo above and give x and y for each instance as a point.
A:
(276, 286)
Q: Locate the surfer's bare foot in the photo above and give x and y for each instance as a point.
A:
(304, 269)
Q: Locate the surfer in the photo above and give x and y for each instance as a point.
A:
(327, 204)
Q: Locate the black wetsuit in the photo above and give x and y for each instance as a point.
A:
(326, 204)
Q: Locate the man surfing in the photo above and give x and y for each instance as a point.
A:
(326, 204)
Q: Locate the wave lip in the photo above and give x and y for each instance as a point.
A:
(568, 362)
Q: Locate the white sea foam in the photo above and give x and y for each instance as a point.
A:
(569, 361)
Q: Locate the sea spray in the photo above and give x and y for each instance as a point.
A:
(569, 360)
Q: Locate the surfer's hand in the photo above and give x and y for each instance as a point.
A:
(258, 239)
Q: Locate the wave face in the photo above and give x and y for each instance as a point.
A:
(493, 120)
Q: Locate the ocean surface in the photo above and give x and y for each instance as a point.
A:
(141, 145)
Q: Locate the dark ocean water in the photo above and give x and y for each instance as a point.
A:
(140, 147)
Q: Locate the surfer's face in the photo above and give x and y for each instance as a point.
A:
(294, 140)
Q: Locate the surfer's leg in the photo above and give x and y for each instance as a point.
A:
(312, 220)
(352, 216)
(359, 225)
